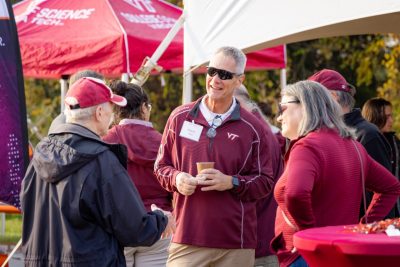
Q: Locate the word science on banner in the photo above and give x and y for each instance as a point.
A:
(13, 133)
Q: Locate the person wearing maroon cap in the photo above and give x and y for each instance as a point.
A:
(60, 119)
(215, 207)
(80, 206)
(367, 133)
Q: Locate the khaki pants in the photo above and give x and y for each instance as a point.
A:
(267, 261)
(181, 255)
(154, 256)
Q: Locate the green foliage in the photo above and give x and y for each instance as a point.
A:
(43, 105)
(163, 98)
(13, 229)
(366, 61)
(390, 89)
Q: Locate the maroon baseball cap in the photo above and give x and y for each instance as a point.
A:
(87, 92)
(332, 80)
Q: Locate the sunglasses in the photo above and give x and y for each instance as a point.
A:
(282, 106)
(222, 74)
(212, 132)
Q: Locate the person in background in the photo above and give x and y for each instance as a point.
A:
(323, 162)
(215, 210)
(379, 112)
(60, 119)
(80, 207)
(266, 207)
(366, 133)
(134, 130)
(266, 111)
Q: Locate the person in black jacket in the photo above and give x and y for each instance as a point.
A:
(77, 198)
(379, 112)
(367, 133)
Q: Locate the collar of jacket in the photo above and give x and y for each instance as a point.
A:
(353, 117)
(119, 150)
(194, 112)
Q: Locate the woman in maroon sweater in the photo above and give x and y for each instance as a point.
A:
(142, 141)
(321, 184)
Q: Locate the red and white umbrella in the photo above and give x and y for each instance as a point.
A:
(109, 36)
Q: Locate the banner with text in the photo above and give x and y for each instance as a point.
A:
(13, 133)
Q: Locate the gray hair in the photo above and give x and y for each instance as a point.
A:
(345, 99)
(80, 114)
(319, 109)
(84, 73)
(237, 55)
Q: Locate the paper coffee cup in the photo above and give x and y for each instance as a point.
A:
(204, 165)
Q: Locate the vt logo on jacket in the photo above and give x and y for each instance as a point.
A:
(232, 136)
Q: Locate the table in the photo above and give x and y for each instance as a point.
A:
(334, 246)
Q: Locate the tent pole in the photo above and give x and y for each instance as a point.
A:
(168, 39)
(64, 87)
(283, 78)
(125, 77)
(143, 73)
(187, 93)
(283, 71)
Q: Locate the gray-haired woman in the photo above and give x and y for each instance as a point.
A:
(322, 163)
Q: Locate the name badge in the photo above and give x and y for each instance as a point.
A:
(191, 130)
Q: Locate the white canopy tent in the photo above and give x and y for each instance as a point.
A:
(256, 24)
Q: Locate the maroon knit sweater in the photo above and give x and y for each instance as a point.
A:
(321, 186)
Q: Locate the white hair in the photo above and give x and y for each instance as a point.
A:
(80, 114)
(237, 55)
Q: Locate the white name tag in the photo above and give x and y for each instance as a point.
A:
(191, 131)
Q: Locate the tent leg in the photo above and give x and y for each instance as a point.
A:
(187, 93)
(64, 86)
(283, 78)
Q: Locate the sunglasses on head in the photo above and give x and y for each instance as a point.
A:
(282, 105)
(222, 74)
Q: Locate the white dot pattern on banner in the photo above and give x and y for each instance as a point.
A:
(14, 163)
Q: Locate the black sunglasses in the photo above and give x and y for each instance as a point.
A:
(212, 132)
(222, 74)
(281, 109)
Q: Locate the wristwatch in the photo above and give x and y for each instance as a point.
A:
(235, 182)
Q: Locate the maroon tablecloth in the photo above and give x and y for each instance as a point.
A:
(338, 246)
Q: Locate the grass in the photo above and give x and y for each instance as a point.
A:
(13, 229)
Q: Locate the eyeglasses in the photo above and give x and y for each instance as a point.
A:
(282, 107)
(222, 74)
(212, 132)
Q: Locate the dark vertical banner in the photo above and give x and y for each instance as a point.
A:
(13, 128)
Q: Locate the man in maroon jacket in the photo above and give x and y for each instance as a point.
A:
(216, 208)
